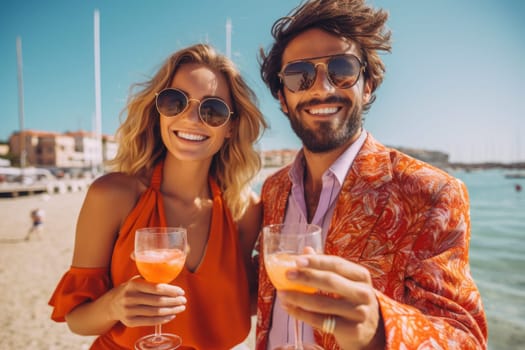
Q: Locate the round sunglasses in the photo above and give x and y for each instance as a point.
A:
(343, 71)
(213, 111)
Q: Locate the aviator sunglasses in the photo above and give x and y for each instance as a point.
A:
(343, 72)
(213, 111)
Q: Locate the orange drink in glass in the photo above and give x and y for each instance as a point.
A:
(283, 244)
(276, 265)
(160, 265)
(160, 254)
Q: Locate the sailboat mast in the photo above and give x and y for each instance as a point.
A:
(98, 103)
(229, 38)
(21, 101)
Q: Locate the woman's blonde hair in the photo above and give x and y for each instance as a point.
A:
(236, 163)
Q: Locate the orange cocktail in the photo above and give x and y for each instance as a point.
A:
(283, 245)
(276, 266)
(160, 265)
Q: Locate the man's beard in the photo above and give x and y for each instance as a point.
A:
(327, 136)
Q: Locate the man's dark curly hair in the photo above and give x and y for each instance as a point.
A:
(349, 19)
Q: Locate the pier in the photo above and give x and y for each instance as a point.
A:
(15, 189)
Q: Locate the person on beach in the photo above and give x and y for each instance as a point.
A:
(186, 158)
(395, 273)
(37, 224)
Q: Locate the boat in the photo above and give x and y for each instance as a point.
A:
(515, 176)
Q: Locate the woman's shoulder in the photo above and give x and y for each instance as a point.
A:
(118, 185)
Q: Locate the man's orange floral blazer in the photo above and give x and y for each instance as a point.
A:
(409, 224)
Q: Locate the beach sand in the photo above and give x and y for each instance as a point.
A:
(30, 270)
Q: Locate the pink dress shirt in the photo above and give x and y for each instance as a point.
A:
(296, 212)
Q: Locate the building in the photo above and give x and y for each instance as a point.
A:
(79, 149)
(87, 148)
(53, 150)
(4, 155)
(109, 147)
(277, 158)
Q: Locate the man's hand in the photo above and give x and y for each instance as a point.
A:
(351, 300)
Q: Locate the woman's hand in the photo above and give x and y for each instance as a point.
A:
(141, 303)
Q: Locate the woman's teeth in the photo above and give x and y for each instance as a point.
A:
(190, 137)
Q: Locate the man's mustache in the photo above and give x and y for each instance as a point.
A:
(330, 99)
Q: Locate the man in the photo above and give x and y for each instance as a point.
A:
(395, 273)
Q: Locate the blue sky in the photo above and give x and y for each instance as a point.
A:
(455, 79)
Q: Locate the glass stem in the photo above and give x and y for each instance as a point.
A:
(158, 331)
(298, 334)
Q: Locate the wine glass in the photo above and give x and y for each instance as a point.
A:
(160, 254)
(282, 244)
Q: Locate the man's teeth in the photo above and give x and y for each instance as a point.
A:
(190, 137)
(325, 110)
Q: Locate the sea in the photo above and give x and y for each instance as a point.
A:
(497, 251)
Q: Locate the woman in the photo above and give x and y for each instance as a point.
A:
(185, 158)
